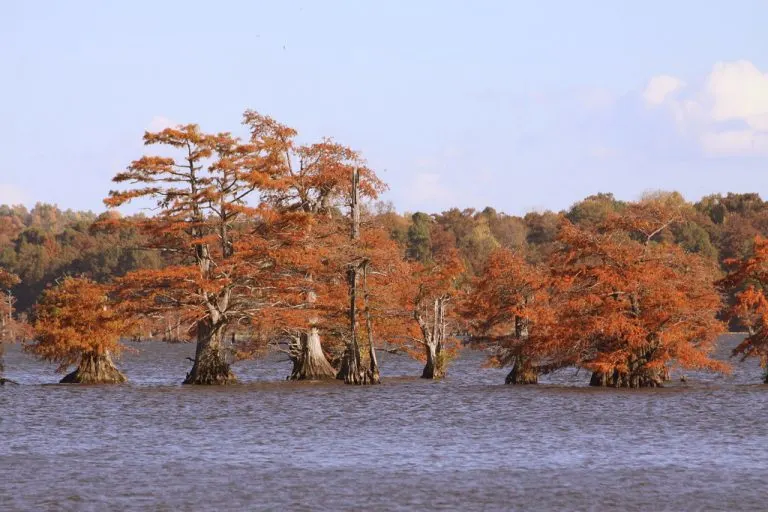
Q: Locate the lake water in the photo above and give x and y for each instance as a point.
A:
(468, 442)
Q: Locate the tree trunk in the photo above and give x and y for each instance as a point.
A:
(210, 366)
(351, 370)
(523, 372)
(434, 367)
(372, 376)
(634, 380)
(311, 363)
(95, 369)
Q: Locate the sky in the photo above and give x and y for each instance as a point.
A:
(518, 105)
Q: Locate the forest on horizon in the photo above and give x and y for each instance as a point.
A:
(42, 244)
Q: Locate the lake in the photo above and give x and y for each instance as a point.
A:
(468, 442)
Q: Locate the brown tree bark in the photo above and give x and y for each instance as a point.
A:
(523, 372)
(210, 366)
(311, 363)
(434, 368)
(95, 369)
(351, 370)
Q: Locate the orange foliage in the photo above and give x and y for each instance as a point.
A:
(632, 306)
(11, 329)
(509, 308)
(75, 318)
(750, 274)
(430, 291)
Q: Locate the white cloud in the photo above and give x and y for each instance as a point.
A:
(738, 91)
(11, 194)
(733, 92)
(660, 87)
(159, 123)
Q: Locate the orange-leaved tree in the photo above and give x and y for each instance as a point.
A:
(357, 299)
(9, 328)
(432, 290)
(628, 305)
(75, 323)
(508, 308)
(315, 181)
(749, 278)
(225, 251)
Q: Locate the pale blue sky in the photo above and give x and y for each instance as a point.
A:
(517, 105)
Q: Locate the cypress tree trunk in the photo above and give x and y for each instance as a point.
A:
(95, 369)
(3, 380)
(351, 370)
(210, 366)
(634, 380)
(523, 372)
(434, 367)
(311, 363)
(372, 375)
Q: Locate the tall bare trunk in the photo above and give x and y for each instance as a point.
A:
(95, 369)
(351, 370)
(372, 374)
(433, 339)
(210, 366)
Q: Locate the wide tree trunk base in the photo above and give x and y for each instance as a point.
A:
(616, 379)
(210, 369)
(350, 372)
(434, 368)
(312, 364)
(522, 372)
(365, 378)
(95, 369)
(522, 375)
(432, 371)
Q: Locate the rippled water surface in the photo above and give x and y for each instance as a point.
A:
(468, 442)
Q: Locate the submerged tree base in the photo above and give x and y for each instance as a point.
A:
(431, 371)
(435, 366)
(351, 372)
(95, 369)
(618, 379)
(522, 374)
(210, 369)
(311, 363)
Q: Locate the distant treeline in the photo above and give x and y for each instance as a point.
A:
(45, 243)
